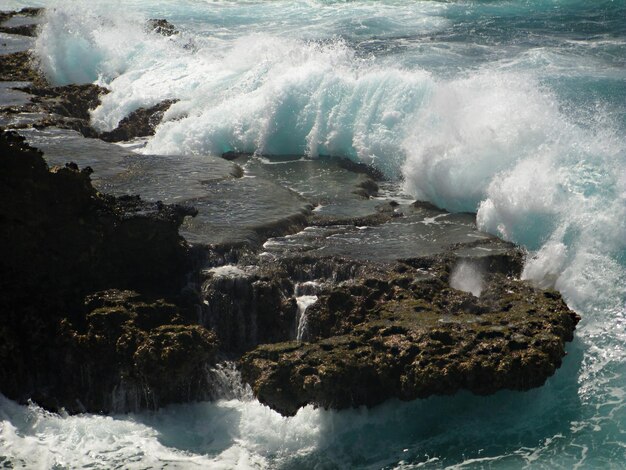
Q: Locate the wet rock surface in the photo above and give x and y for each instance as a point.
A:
(19, 66)
(22, 22)
(416, 303)
(387, 319)
(391, 313)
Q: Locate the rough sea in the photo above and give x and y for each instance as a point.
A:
(515, 110)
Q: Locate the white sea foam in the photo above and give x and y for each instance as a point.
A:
(224, 434)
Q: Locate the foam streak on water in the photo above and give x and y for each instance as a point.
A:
(516, 110)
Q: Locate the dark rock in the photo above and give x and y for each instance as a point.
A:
(72, 101)
(69, 108)
(162, 27)
(358, 167)
(127, 353)
(246, 309)
(29, 30)
(20, 67)
(392, 336)
(140, 123)
(387, 323)
(60, 241)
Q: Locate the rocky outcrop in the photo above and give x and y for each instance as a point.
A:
(73, 101)
(20, 67)
(420, 304)
(128, 353)
(140, 123)
(161, 26)
(69, 106)
(61, 241)
(403, 332)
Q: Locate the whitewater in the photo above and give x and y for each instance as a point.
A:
(515, 110)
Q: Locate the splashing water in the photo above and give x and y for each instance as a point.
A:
(468, 278)
(515, 110)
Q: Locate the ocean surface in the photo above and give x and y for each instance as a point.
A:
(513, 109)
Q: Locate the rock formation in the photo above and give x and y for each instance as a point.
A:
(64, 342)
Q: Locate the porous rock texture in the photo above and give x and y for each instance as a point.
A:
(400, 331)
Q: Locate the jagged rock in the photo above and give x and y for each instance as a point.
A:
(20, 67)
(127, 353)
(162, 27)
(406, 335)
(390, 321)
(61, 240)
(69, 108)
(140, 123)
(73, 101)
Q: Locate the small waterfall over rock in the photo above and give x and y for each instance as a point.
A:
(305, 297)
(247, 308)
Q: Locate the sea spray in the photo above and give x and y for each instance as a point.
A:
(467, 277)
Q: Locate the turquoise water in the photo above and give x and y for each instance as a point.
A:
(513, 109)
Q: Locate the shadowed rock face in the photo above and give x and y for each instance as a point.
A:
(128, 352)
(63, 345)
